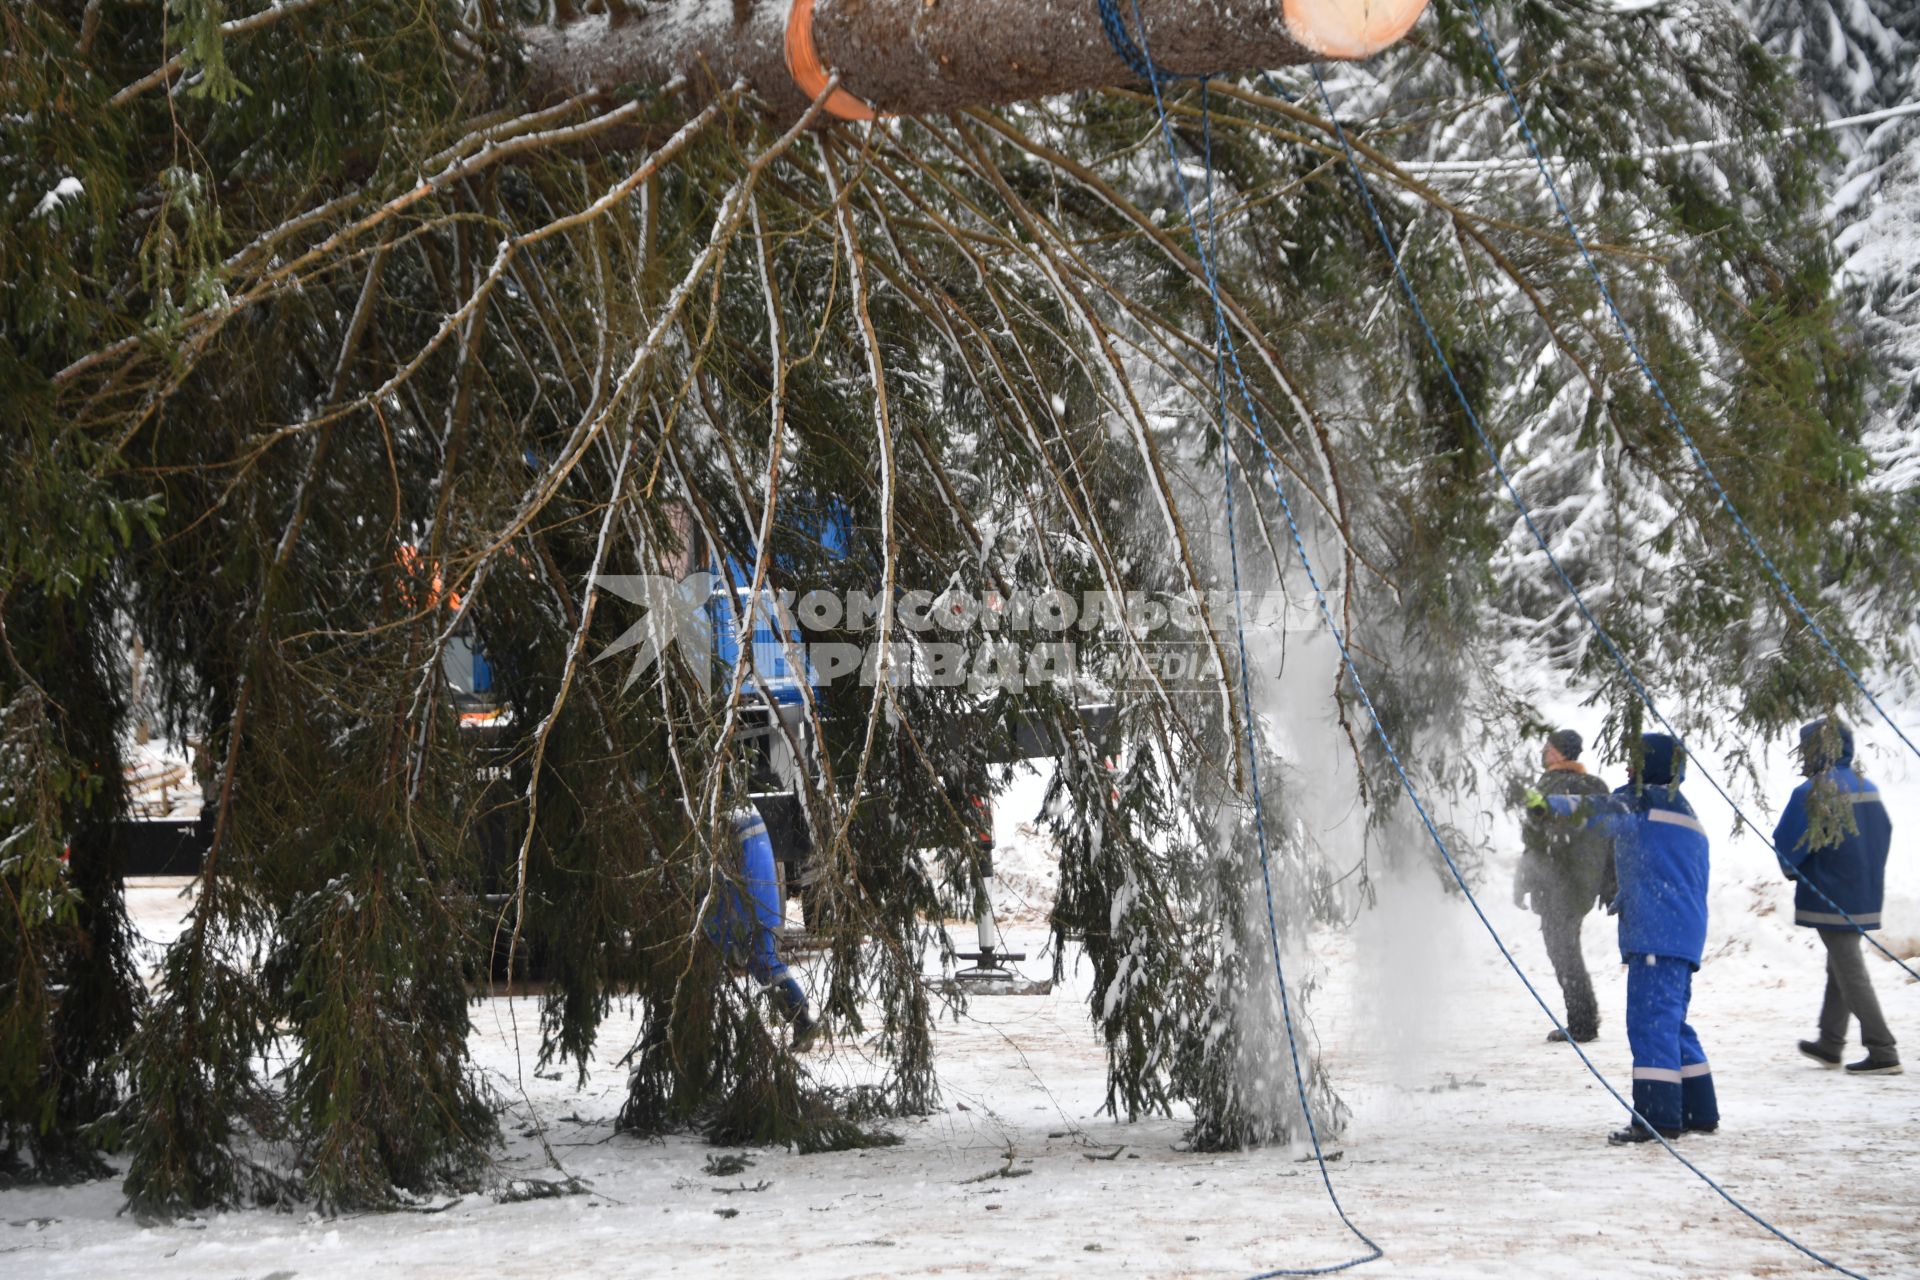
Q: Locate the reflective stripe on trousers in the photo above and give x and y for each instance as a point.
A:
(1672, 1083)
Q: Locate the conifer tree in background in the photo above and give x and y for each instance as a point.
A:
(1855, 56)
(1861, 58)
(321, 319)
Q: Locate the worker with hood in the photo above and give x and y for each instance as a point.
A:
(1832, 840)
(1660, 859)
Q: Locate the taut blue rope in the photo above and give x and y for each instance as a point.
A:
(1433, 341)
(1224, 345)
(1117, 34)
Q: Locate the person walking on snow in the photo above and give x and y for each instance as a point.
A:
(1832, 840)
(742, 921)
(1660, 859)
(744, 926)
(1564, 869)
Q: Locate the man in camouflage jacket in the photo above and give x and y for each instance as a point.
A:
(1565, 870)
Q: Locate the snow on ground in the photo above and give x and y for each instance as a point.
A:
(1475, 1148)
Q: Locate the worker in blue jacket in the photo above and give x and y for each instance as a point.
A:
(1833, 839)
(1660, 861)
(745, 919)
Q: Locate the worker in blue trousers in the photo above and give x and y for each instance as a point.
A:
(1832, 840)
(744, 922)
(1660, 862)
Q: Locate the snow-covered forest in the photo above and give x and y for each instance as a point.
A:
(1169, 513)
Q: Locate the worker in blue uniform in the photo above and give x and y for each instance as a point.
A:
(1660, 861)
(745, 919)
(1832, 840)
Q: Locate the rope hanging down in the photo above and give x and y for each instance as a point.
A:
(1406, 782)
(809, 74)
(1660, 394)
(1224, 344)
(1140, 59)
(1487, 446)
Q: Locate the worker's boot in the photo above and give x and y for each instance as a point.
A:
(1826, 1055)
(1878, 1062)
(791, 1000)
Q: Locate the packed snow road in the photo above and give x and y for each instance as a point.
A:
(1475, 1149)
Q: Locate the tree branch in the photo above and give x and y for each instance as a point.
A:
(172, 67)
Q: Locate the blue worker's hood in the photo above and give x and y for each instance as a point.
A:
(1662, 762)
(1822, 755)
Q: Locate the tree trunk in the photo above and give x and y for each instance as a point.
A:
(921, 56)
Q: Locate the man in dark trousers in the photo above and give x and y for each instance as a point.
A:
(1660, 859)
(1833, 839)
(1565, 868)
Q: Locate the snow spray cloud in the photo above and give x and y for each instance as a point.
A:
(1314, 821)
(1342, 857)
(1332, 843)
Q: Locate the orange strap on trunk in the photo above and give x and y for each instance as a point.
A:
(803, 64)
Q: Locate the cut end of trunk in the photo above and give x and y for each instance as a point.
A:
(1349, 29)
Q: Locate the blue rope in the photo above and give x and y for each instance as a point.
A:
(1116, 31)
(1653, 381)
(1135, 55)
(1224, 342)
(1246, 703)
(1526, 514)
(1433, 342)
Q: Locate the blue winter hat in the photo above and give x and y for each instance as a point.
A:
(1816, 753)
(1662, 762)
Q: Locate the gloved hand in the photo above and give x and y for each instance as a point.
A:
(1519, 894)
(1536, 804)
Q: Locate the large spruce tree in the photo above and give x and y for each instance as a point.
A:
(287, 291)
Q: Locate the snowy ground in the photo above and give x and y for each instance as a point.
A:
(1475, 1148)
